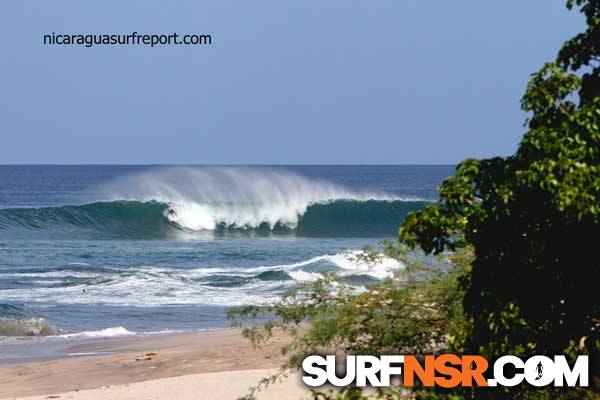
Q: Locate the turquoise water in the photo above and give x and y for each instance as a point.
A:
(112, 250)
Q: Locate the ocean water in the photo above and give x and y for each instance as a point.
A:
(92, 251)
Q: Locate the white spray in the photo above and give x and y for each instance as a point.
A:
(203, 198)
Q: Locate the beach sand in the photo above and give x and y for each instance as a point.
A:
(217, 364)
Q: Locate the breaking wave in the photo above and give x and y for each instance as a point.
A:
(148, 286)
(179, 201)
(134, 219)
(26, 326)
(19, 321)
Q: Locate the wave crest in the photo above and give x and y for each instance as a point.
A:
(132, 219)
(206, 198)
(176, 201)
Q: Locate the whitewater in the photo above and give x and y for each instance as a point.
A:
(203, 199)
(103, 251)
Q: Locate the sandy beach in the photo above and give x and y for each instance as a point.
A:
(217, 364)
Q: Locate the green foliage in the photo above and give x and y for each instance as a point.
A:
(353, 393)
(532, 223)
(533, 218)
(418, 311)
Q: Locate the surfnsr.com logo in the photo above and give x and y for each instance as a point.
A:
(447, 371)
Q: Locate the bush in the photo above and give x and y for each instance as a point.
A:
(531, 222)
(418, 311)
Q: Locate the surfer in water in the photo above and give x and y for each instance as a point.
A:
(172, 214)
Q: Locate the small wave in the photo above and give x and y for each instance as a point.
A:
(150, 286)
(273, 276)
(26, 326)
(349, 262)
(102, 333)
(303, 276)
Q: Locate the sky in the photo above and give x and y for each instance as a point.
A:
(284, 82)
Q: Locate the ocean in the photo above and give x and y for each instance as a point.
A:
(94, 250)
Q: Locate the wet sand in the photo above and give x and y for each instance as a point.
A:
(137, 367)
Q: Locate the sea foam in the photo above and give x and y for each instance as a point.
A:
(152, 286)
(241, 197)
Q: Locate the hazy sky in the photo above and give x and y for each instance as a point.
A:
(312, 81)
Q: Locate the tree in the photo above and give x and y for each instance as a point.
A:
(519, 234)
(533, 218)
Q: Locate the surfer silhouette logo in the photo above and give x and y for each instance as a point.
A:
(539, 369)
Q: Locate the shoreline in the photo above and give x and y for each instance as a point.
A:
(35, 349)
(124, 362)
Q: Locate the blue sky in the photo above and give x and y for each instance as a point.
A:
(352, 82)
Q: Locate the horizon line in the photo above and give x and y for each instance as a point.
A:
(227, 165)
